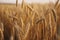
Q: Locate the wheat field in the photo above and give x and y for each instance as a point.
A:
(30, 21)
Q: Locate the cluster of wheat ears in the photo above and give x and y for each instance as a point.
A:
(27, 24)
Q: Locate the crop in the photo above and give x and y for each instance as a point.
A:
(29, 21)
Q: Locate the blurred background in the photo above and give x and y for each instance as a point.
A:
(27, 1)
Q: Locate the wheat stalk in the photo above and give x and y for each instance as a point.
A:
(23, 4)
(26, 34)
(1, 31)
(16, 3)
(56, 3)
